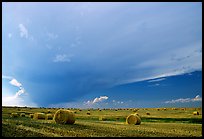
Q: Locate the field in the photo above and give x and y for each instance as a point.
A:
(171, 122)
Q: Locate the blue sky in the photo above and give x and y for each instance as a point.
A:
(102, 54)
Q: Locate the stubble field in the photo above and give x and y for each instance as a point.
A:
(104, 123)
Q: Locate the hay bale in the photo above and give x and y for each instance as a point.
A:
(158, 109)
(22, 115)
(133, 119)
(135, 110)
(64, 117)
(195, 113)
(39, 116)
(164, 109)
(148, 113)
(48, 117)
(88, 113)
(31, 115)
(14, 115)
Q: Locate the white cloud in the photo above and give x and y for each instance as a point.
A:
(96, 100)
(23, 31)
(7, 77)
(15, 83)
(101, 98)
(185, 100)
(62, 58)
(157, 80)
(157, 84)
(19, 98)
(197, 98)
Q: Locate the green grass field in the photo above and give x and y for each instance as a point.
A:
(162, 123)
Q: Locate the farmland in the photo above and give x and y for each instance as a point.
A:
(167, 122)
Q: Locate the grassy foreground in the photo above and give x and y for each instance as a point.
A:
(163, 123)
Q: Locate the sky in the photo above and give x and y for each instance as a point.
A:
(102, 55)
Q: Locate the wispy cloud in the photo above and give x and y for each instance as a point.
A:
(7, 77)
(15, 83)
(185, 100)
(23, 31)
(154, 85)
(96, 100)
(62, 58)
(17, 99)
(157, 80)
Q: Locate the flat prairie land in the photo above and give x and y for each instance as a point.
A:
(160, 123)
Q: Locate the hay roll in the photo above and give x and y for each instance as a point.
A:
(64, 117)
(14, 115)
(88, 113)
(22, 115)
(48, 117)
(195, 113)
(133, 119)
(39, 116)
(148, 113)
(31, 115)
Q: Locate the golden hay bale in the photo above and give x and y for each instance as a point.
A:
(133, 119)
(31, 115)
(158, 109)
(48, 117)
(39, 116)
(64, 117)
(22, 115)
(135, 110)
(14, 115)
(164, 109)
(148, 113)
(88, 113)
(195, 113)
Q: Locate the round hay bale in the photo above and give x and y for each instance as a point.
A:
(39, 116)
(31, 115)
(48, 117)
(88, 113)
(164, 109)
(117, 118)
(158, 109)
(135, 110)
(195, 113)
(22, 115)
(148, 113)
(133, 119)
(64, 117)
(14, 115)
